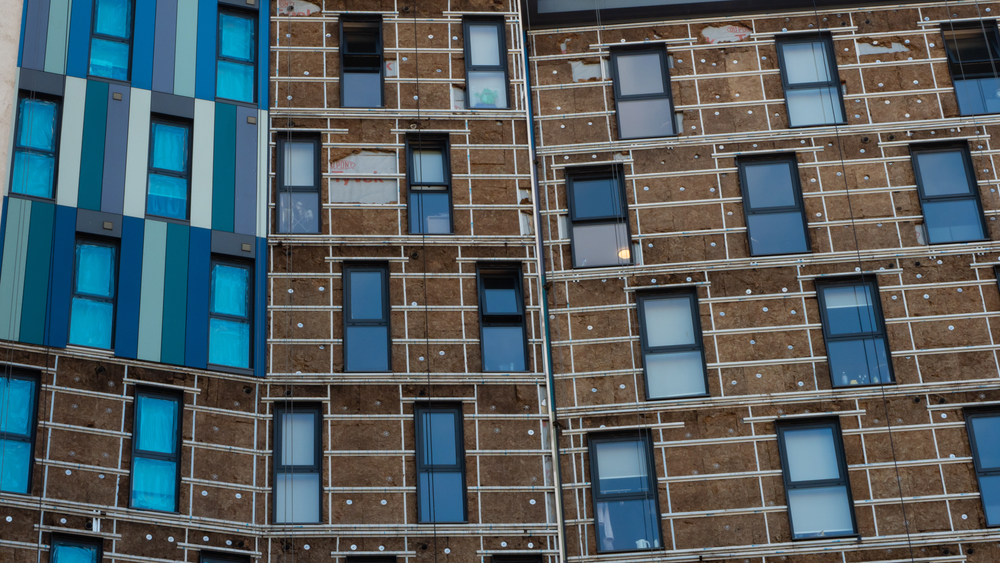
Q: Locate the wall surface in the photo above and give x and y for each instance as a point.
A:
(10, 32)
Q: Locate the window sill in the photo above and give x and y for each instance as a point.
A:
(680, 397)
(230, 369)
(168, 219)
(27, 197)
(249, 105)
(841, 387)
(109, 352)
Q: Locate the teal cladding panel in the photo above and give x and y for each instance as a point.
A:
(186, 50)
(154, 254)
(95, 122)
(15, 254)
(36, 273)
(175, 294)
(224, 170)
(58, 36)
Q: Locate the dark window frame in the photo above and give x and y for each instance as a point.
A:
(459, 467)
(82, 238)
(95, 34)
(280, 468)
(970, 414)
(75, 541)
(391, 558)
(667, 92)
(317, 186)
(375, 22)
(834, 81)
(162, 394)
(878, 321)
(504, 271)
(217, 259)
(844, 479)
(14, 148)
(174, 122)
(12, 373)
(596, 495)
(699, 345)
(431, 142)
(741, 164)
(956, 66)
(616, 174)
(226, 9)
(501, 26)
(386, 320)
(975, 196)
(213, 557)
(515, 558)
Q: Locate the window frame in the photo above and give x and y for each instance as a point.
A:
(661, 51)
(501, 26)
(844, 480)
(502, 271)
(741, 164)
(992, 36)
(975, 196)
(82, 238)
(699, 345)
(316, 188)
(431, 142)
(879, 321)
(150, 169)
(75, 541)
(242, 13)
(162, 394)
(390, 558)
(376, 22)
(835, 82)
(217, 259)
(213, 557)
(278, 466)
(614, 173)
(970, 414)
(459, 467)
(130, 42)
(597, 496)
(56, 138)
(36, 380)
(386, 321)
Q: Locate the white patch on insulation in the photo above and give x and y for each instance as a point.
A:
(869, 49)
(391, 70)
(457, 98)
(364, 190)
(726, 34)
(583, 71)
(297, 8)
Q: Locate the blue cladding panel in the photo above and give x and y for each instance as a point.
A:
(20, 45)
(3, 224)
(129, 284)
(175, 294)
(78, 58)
(95, 124)
(36, 28)
(205, 77)
(142, 44)
(199, 259)
(245, 206)
(165, 45)
(263, 56)
(60, 293)
(115, 149)
(260, 305)
(36, 273)
(224, 168)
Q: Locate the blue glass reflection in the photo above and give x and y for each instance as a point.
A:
(441, 497)
(229, 343)
(230, 287)
(91, 323)
(367, 348)
(503, 348)
(858, 362)
(154, 484)
(15, 460)
(157, 431)
(438, 445)
(109, 59)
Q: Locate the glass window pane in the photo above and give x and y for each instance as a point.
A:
(769, 184)
(15, 460)
(228, 343)
(621, 466)
(298, 438)
(776, 233)
(484, 44)
(814, 106)
(114, 17)
(236, 37)
(366, 296)
(628, 525)
(438, 443)
(503, 348)
(157, 425)
(170, 147)
(675, 374)
(167, 196)
(109, 59)
(300, 163)
(820, 512)
(596, 198)
(812, 454)
(986, 430)
(362, 90)
(977, 95)
(430, 212)
(62, 553)
(849, 309)
(154, 484)
(33, 174)
(234, 81)
(967, 46)
(601, 245)
(91, 322)
(367, 348)
(428, 166)
(953, 221)
(645, 118)
(858, 362)
(640, 74)
(989, 491)
(441, 497)
(37, 124)
(298, 212)
(487, 89)
(230, 287)
(805, 63)
(296, 498)
(943, 173)
(668, 321)
(95, 270)
(361, 39)
(500, 296)
(17, 397)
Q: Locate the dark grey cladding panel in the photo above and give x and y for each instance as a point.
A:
(98, 223)
(168, 104)
(233, 244)
(42, 82)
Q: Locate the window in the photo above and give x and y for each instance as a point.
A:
(440, 464)
(949, 196)
(92, 315)
(642, 93)
(234, 79)
(501, 318)
(485, 64)
(156, 444)
(623, 481)
(673, 356)
(297, 466)
(361, 63)
(816, 485)
(984, 427)
(974, 59)
(600, 233)
(772, 203)
(229, 315)
(856, 346)
(812, 85)
(298, 189)
(69, 549)
(169, 169)
(34, 169)
(111, 39)
(429, 178)
(17, 431)
(366, 318)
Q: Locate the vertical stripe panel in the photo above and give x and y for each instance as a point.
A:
(142, 44)
(262, 183)
(154, 251)
(61, 290)
(207, 25)
(175, 290)
(20, 44)
(78, 53)
(95, 122)
(129, 288)
(186, 54)
(245, 201)
(6, 163)
(224, 168)
(36, 273)
(199, 260)
(15, 254)
(164, 46)
(71, 141)
(4, 204)
(136, 164)
(263, 54)
(58, 36)
(115, 150)
(260, 308)
(36, 27)
(202, 164)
